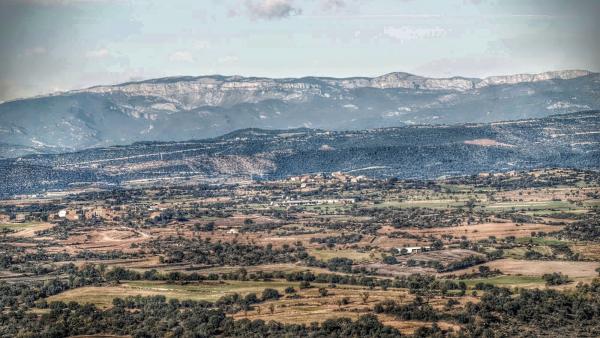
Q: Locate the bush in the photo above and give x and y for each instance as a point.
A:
(304, 284)
(556, 278)
(270, 294)
(391, 260)
(323, 292)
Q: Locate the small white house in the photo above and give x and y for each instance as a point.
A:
(412, 249)
(232, 231)
(62, 213)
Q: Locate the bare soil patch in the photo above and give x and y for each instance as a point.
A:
(538, 268)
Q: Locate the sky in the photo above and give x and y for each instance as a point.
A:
(57, 45)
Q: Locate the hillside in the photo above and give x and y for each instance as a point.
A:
(182, 108)
(569, 140)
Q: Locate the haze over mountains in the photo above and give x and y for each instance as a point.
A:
(184, 108)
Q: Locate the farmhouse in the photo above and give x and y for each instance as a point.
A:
(412, 249)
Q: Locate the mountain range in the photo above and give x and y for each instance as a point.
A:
(424, 151)
(184, 108)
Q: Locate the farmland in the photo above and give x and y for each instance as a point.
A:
(418, 255)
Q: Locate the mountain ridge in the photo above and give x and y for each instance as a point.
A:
(374, 82)
(488, 80)
(180, 108)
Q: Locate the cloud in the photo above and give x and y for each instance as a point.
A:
(271, 9)
(97, 54)
(181, 56)
(35, 51)
(405, 33)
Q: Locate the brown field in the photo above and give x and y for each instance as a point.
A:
(538, 268)
(588, 250)
(486, 142)
(28, 230)
(102, 240)
(483, 231)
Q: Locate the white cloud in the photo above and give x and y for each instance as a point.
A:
(97, 53)
(406, 33)
(271, 9)
(35, 51)
(181, 56)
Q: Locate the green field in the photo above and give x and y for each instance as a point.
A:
(540, 240)
(325, 255)
(18, 226)
(519, 253)
(542, 205)
(209, 291)
(434, 204)
(506, 281)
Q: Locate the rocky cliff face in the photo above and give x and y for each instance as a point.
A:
(520, 78)
(209, 85)
(182, 108)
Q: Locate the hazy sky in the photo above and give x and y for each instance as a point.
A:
(55, 45)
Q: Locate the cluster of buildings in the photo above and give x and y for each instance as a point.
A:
(313, 202)
(338, 176)
(95, 212)
(511, 173)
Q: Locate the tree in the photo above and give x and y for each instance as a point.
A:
(342, 301)
(323, 292)
(210, 226)
(304, 284)
(364, 296)
(269, 293)
(272, 308)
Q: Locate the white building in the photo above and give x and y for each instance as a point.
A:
(412, 249)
